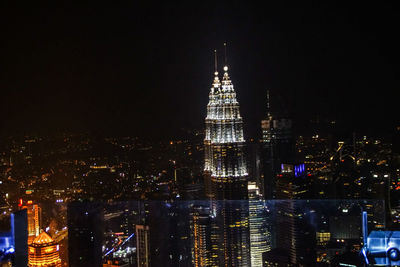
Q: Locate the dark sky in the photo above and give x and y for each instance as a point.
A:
(147, 68)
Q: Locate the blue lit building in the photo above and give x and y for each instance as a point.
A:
(14, 241)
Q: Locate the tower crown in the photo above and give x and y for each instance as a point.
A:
(224, 131)
(43, 238)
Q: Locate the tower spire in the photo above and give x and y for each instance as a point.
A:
(225, 79)
(216, 82)
(226, 58)
(215, 62)
(226, 61)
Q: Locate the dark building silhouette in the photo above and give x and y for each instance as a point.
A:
(277, 148)
(19, 231)
(294, 232)
(85, 233)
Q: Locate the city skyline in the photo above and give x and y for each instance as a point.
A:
(231, 134)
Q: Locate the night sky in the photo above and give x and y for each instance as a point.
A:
(146, 69)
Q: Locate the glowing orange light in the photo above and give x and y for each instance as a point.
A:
(29, 202)
(20, 202)
(43, 251)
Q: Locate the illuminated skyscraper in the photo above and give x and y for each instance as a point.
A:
(226, 173)
(224, 141)
(143, 245)
(43, 251)
(260, 235)
(34, 218)
(200, 233)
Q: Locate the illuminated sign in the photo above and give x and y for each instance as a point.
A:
(299, 170)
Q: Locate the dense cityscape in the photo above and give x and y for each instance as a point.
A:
(199, 135)
(210, 199)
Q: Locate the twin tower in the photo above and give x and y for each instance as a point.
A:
(224, 161)
(225, 176)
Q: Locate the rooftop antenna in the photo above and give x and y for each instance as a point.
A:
(226, 58)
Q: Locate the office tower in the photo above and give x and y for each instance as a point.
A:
(19, 229)
(43, 251)
(277, 148)
(143, 245)
(85, 233)
(201, 236)
(295, 234)
(260, 235)
(34, 213)
(161, 219)
(226, 173)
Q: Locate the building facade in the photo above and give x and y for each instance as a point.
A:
(34, 213)
(260, 235)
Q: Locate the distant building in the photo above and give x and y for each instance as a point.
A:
(278, 148)
(43, 251)
(34, 213)
(345, 227)
(143, 245)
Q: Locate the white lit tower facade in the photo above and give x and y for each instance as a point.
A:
(226, 174)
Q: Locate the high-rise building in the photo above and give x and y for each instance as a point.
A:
(85, 233)
(226, 173)
(43, 251)
(201, 236)
(277, 148)
(294, 232)
(19, 232)
(143, 245)
(260, 235)
(34, 213)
